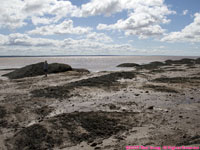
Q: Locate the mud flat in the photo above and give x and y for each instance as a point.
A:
(156, 104)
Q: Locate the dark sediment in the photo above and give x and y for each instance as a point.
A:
(73, 128)
(177, 80)
(190, 141)
(43, 111)
(176, 70)
(32, 138)
(160, 88)
(2, 112)
(157, 71)
(104, 81)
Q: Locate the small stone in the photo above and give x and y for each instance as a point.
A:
(93, 144)
(112, 106)
(150, 107)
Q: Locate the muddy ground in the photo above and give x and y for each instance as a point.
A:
(150, 106)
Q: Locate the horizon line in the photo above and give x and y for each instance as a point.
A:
(89, 55)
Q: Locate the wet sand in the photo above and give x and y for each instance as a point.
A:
(102, 111)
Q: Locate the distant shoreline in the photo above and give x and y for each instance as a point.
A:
(92, 55)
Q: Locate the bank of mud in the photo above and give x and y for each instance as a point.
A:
(150, 106)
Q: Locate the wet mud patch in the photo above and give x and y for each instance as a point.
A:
(88, 126)
(177, 80)
(7, 117)
(32, 138)
(107, 82)
(159, 88)
(44, 111)
(72, 129)
(158, 71)
(175, 70)
(2, 112)
(190, 141)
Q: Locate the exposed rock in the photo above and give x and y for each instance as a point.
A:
(128, 65)
(156, 64)
(93, 144)
(80, 70)
(186, 61)
(152, 65)
(37, 69)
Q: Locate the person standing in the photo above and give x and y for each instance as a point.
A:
(45, 68)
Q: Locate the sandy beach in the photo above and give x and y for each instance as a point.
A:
(106, 110)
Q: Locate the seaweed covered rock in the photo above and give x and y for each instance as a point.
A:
(81, 70)
(197, 61)
(37, 69)
(128, 65)
(157, 64)
(185, 61)
(152, 65)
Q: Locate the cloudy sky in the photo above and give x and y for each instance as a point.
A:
(100, 27)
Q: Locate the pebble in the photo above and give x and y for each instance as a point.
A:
(150, 107)
(93, 144)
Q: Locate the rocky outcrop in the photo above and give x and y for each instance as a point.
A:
(37, 69)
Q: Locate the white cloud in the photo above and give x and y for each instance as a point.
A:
(15, 12)
(41, 20)
(3, 39)
(109, 7)
(66, 27)
(144, 18)
(24, 40)
(10, 14)
(98, 7)
(185, 12)
(190, 33)
(101, 37)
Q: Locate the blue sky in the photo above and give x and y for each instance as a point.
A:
(100, 27)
